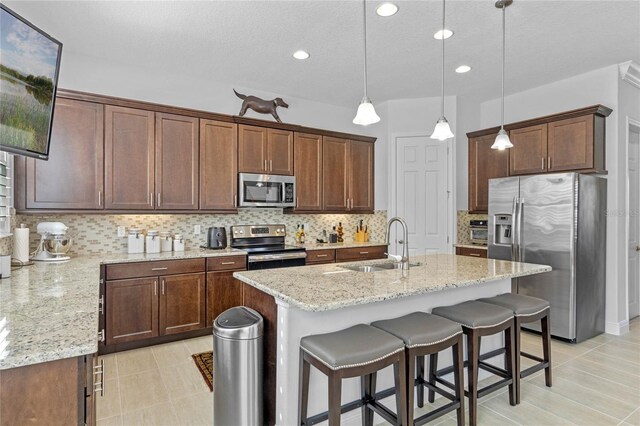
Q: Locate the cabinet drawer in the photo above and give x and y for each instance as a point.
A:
(474, 252)
(225, 263)
(154, 268)
(321, 256)
(361, 253)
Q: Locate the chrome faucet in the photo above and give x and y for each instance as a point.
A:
(404, 261)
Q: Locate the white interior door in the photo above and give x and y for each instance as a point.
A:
(421, 193)
(634, 222)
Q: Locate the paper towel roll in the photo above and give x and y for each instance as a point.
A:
(21, 244)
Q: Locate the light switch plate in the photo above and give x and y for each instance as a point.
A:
(121, 231)
(196, 230)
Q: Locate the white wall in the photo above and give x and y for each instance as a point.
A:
(595, 87)
(91, 74)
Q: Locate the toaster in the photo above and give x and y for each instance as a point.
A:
(217, 238)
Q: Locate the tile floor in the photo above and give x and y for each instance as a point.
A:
(596, 382)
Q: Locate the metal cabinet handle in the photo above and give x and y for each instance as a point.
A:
(228, 263)
(163, 287)
(549, 162)
(270, 165)
(542, 166)
(155, 288)
(151, 198)
(235, 200)
(159, 269)
(265, 166)
(474, 254)
(322, 255)
(99, 198)
(364, 252)
(158, 203)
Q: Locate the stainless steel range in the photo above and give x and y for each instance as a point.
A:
(266, 246)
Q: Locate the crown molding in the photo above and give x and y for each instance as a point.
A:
(630, 72)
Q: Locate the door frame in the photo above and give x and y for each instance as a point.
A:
(451, 184)
(629, 123)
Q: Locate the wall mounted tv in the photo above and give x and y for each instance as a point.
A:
(29, 65)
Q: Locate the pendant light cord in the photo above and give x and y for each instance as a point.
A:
(504, 6)
(364, 8)
(443, 14)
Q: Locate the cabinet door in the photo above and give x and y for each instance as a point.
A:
(529, 152)
(280, 152)
(335, 173)
(571, 144)
(308, 171)
(218, 165)
(182, 303)
(361, 176)
(129, 158)
(252, 149)
(131, 310)
(73, 177)
(177, 162)
(223, 292)
(484, 164)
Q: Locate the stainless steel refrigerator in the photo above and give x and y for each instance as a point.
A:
(557, 220)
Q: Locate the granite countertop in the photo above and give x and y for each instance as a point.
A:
(347, 244)
(330, 286)
(50, 310)
(471, 246)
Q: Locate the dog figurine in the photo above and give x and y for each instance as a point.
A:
(260, 105)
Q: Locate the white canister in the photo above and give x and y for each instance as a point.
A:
(153, 242)
(178, 243)
(165, 241)
(136, 241)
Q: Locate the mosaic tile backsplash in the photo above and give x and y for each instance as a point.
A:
(464, 217)
(97, 233)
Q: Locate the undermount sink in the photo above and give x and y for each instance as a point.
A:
(378, 267)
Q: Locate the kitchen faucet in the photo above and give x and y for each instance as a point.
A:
(404, 261)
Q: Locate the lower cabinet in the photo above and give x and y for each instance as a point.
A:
(223, 291)
(351, 254)
(182, 303)
(470, 251)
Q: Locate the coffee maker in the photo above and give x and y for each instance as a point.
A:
(217, 238)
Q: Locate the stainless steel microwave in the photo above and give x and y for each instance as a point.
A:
(255, 190)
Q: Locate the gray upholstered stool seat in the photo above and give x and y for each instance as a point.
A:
(520, 304)
(351, 347)
(420, 329)
(474, 314)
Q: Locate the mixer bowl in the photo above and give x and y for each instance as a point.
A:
(57, 244)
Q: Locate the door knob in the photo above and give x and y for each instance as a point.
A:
(637, 248)
(400, 241)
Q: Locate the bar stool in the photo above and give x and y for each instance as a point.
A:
(528, 309)
(425, 334)
(480, 319)
(358, 351)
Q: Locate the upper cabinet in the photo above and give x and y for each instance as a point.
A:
(265, 150)
(575, 144)
(361, 176)
(218, 165)
(308, 168)
(484, 164)
(529, 152)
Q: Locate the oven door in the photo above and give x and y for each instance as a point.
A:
(479, 235)
(276, 260)
(266, 190)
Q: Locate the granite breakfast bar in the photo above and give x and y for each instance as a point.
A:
(325, 298)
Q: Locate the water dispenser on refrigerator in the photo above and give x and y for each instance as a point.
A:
(503, 225)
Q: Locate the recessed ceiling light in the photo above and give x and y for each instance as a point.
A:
(387, 9)
(301, 54)
(447, 33)
(463, 68)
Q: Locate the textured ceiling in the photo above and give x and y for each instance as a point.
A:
(249, 43)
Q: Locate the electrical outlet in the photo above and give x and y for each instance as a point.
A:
(196, 229)
(121, 231)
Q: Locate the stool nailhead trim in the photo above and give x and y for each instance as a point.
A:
(352, 365)
(417, 345)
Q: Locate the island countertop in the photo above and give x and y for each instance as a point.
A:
(331, 286)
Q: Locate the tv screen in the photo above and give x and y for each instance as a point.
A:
(29, 64)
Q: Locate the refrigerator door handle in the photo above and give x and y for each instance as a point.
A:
(520, 249)
(514, 228)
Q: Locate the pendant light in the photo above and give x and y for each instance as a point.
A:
(502, 141)
(442, 130)
(366, 112)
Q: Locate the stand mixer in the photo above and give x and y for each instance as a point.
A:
(54, 242)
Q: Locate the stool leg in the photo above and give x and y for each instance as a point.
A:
(367, 395)
(420, 368)
(410, 360)
(546, 347)
(458, 375)
(517, 350)
(509, 337)
(335, 398)
(433, 368)
(473, 353)
(303, 394)
(400, 379)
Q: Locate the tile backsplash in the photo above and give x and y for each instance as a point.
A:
(464, 217)
(97, 233)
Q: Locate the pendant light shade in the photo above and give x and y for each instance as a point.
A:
(366, 112)
(502, 141)
(442, 130)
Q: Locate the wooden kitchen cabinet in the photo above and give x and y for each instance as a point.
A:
(177, 162)
(308, 171)
(471, 251)
(317, 257)
(182, 303)
(529, 152)
(73, 177)
(129, 158)
(131, 310)
(571, 145)
(218, 165)
(265, 150)
(354, 254)
(484, 164)
(223, 290)
(361, 176)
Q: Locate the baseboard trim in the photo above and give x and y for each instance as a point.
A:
(617, 328)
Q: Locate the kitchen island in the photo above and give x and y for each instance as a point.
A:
(325, 298)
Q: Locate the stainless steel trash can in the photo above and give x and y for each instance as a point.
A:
(237, 368)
